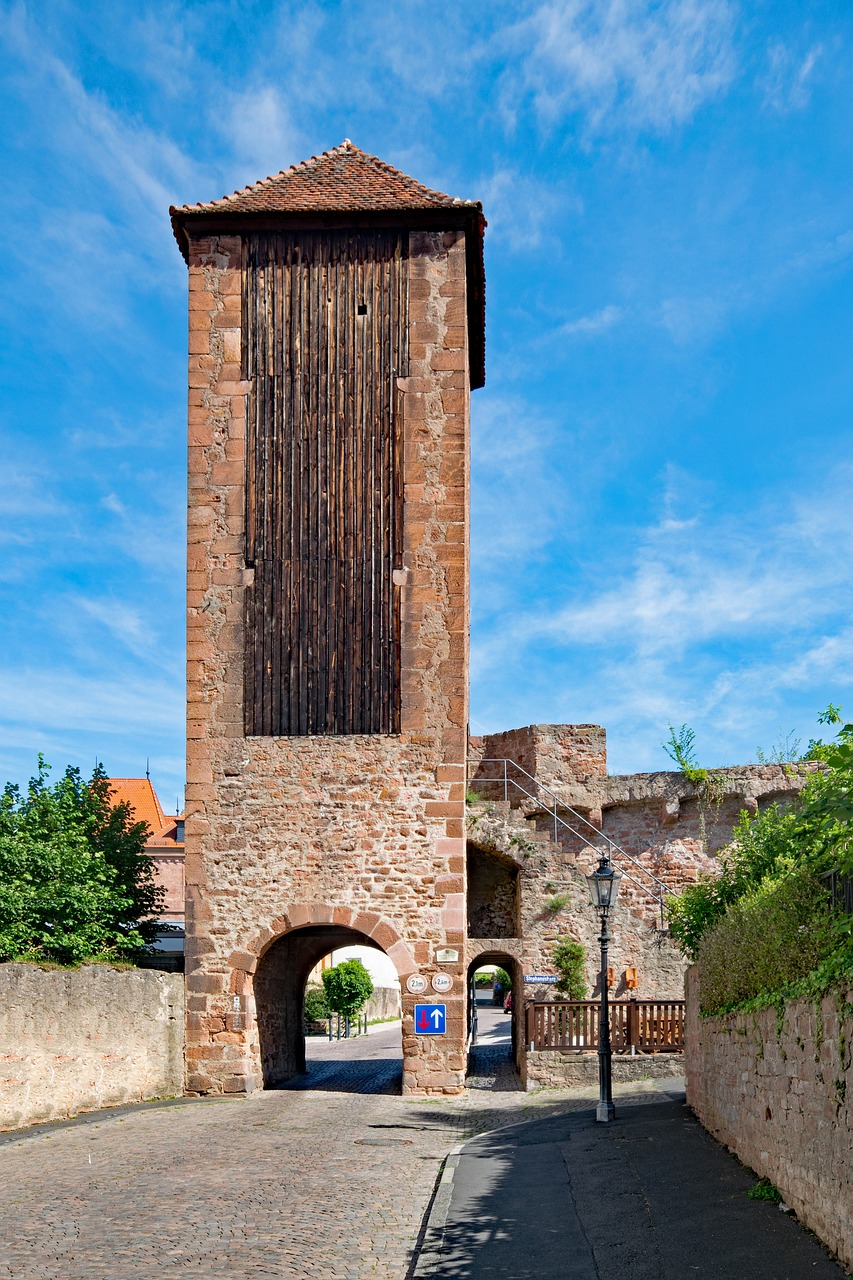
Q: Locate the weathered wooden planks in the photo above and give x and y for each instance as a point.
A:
(324, 325)
(648, 1026)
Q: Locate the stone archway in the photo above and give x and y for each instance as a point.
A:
(513, 966)
(271, 978)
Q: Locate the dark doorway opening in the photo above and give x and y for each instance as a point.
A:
(292, 1060)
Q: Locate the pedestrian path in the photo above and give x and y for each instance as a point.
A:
(650, 1196)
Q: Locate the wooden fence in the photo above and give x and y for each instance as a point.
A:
(641, 1026)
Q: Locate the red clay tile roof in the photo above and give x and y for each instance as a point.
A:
(344, 179)
(139, 793)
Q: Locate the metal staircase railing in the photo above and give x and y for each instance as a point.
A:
(556, 808)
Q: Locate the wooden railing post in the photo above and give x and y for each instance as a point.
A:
(632, 1039)
(529, 1032)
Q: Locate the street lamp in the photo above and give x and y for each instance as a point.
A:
(603, 891)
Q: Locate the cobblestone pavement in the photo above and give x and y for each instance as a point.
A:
(324, 1182)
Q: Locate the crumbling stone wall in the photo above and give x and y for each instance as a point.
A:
(553, 903)
(79, 1039)
(780, 1095)
(658, 819)
(366, 832)
(557, 755)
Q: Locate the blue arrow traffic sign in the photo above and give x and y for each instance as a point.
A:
(430, 1019)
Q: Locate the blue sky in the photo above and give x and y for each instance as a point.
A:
(663, 524)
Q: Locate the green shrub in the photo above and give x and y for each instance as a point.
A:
(75, 882)
(570, 961)
(316, 1009)
(483, 979)
(347, 987)
(764, 847)
(773, 936)
(764, 1189)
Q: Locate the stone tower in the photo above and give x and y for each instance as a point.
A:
(336, 329)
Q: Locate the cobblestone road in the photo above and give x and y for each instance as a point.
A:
(324, 1182)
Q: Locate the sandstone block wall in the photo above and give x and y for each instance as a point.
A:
(78, 1039)
(546, 876)
(557, 755)
(361, 832)
(782, 1100)
(550, 1069)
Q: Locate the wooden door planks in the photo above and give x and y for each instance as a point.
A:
(324, 317)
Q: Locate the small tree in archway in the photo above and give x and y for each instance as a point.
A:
(348, 986)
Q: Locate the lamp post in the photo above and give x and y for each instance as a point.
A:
(603, 890)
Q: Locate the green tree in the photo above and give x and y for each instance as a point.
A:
(347, 986)
(75, 881)
(570, 961)
(315, 1007)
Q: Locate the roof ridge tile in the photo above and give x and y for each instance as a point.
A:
(359, 185)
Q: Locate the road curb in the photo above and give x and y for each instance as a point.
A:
(432, 1232)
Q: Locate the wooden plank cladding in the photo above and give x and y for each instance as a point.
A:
(324, 341)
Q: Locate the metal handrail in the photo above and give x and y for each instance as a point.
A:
(614, 849)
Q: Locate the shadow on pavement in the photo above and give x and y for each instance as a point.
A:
(371, 1075)
(649, 1197)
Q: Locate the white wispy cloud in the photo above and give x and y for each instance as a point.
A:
(257, 123)
(518, 498)
(525, 212)
(719, 620)
(787, 82)
(596, 322)
(623, 62)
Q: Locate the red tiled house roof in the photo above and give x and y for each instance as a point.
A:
(140, 795)
(347, 186)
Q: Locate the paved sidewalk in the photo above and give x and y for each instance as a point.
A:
(650, 1196)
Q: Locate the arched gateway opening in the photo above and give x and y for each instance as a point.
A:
(279, 990)
(495, 1030)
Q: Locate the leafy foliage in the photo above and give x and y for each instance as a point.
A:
(502, 979)
(570, 961)
(680, 746)
(774, 935)
(75, 882)
(765, 924)
(559, 900)
(347, 987)
(764, 1189)
(315, 1007)
(710, 787)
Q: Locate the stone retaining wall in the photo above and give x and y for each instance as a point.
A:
(384, 1003)
(782, 1100)
(551, 1069)
(79, 1039)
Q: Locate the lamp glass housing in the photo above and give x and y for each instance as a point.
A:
(604, 885)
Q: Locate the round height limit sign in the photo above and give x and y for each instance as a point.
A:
(442, 982)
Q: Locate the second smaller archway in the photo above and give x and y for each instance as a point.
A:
(496, 1034)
